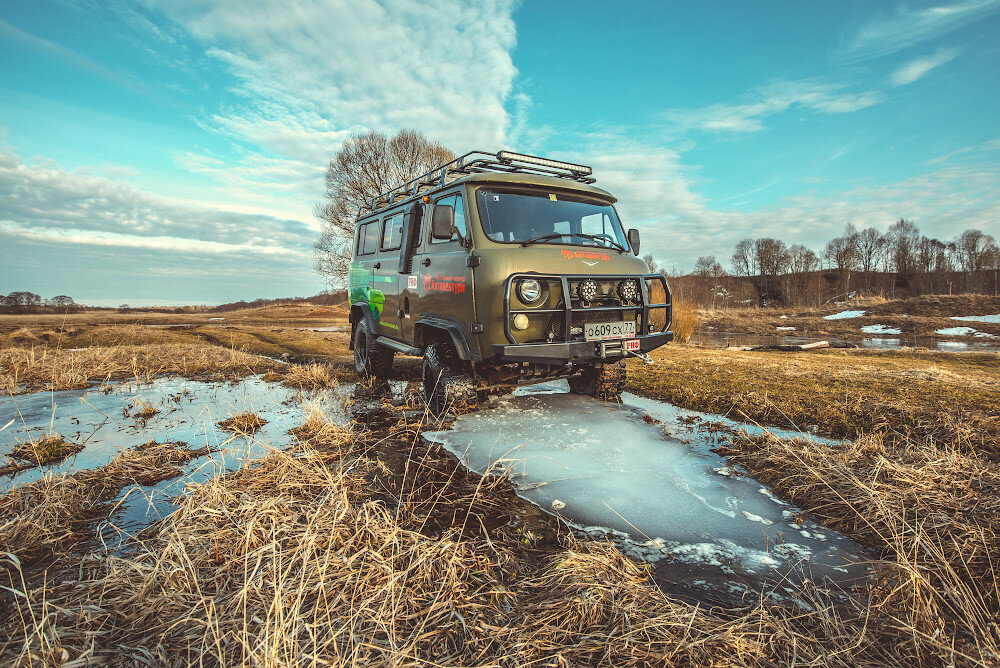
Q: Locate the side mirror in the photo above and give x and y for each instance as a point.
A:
(633, 240)
(443, 221)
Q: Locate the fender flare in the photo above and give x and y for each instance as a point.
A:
(455, 332)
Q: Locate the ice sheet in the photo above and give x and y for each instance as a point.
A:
(844, 314)
(656, 488)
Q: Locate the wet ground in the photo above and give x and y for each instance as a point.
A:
(101, 420)
(642, 474)
(726, 339)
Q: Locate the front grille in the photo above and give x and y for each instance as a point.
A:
(607, 307)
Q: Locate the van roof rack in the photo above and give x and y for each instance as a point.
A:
(475, 162)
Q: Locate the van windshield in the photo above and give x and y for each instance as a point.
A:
(554, 218)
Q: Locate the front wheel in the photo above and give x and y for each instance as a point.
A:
(370, 358)
(445, 386)
(605, 381)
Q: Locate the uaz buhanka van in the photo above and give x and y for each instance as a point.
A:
(502, 270)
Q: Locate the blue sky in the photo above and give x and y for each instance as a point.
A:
(172, 152)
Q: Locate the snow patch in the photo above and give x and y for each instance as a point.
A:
(784, 329)
(843, 315)
(964, 331)
(879, 329)
(994, 318)
(756, 518)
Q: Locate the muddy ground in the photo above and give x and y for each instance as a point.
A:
(343, 529)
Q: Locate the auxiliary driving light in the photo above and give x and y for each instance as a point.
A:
(520, 321)
(529, 290)
(587, 290)
(628, 290)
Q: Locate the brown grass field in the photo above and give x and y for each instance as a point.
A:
(368, 546)
(919, 317)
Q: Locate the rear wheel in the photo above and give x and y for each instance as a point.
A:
(605, 381)
(370, 358)
(445, 386)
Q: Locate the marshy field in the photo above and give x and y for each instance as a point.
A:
(187, 490)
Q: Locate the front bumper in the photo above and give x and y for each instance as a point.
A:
(575, 351)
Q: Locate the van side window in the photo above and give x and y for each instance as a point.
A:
(359, 243)
(454, 201)
(368, 237)
(392, 232)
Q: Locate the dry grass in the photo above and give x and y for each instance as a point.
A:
(316, 376)
(685, 321)
(904, 394)
(243, 423)
(289, 562)
(933, 512)
(45, 516)
(30, 370)
(45, 450)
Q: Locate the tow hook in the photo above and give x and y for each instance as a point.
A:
(644, 357)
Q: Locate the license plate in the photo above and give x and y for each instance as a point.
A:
(632, 344)
(606, 331)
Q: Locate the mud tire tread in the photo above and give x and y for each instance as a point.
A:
(445, 387)
(377, 359)
(602, 381)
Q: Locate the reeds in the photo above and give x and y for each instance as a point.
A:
(685, 320)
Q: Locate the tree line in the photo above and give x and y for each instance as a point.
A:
(29, 302)
(900, 262)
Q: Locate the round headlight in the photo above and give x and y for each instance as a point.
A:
(587, 289)
(529, 290)
(520, 321)
(628, 290)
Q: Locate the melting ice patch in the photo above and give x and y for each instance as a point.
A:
(844, 315)
(879, 329)
(963, 331)
(994, 318)
(652, 488)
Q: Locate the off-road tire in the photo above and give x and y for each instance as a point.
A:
(605, 381)
(445, 386)
(371, 360)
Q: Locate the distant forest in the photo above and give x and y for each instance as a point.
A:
(29, 302)
(898, 263)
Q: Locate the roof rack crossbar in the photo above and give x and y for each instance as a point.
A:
(477, 162)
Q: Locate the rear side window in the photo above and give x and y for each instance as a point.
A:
(392, 232)
(368, 238)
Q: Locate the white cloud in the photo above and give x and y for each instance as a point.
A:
(47, 203)
(918, 67)
(906, 27)
(312, 70)
(774, 98)
(658, 194)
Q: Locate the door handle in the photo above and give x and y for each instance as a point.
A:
(378, 265)
(426, 262)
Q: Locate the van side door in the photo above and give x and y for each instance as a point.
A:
(359, 277)
(385, 276)
(444, 277)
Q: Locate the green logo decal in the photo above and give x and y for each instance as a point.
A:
(375, 299)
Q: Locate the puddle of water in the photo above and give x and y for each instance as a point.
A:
(726, 339)
(189, 411)
(657, 490)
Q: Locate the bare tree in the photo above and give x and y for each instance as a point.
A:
(367, 165)
(973, 248)
(651, 263)
(903, 238)
(708, 267)
(742, 259)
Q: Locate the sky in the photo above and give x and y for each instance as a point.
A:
(173, 152)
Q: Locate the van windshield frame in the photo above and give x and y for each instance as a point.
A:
(522, 216)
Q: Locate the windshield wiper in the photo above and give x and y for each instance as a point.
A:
(600, 238)
(544, 237)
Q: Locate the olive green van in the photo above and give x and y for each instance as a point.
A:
(499, 270)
